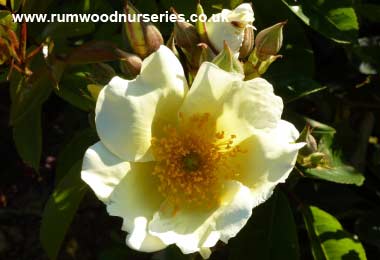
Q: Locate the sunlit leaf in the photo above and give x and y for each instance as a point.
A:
(270, 233)
(328, 238)
(334, 19)
(334, 169)
(75, 83)
(60, 210)
(7, 20)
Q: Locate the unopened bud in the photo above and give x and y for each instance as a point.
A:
(311, 144)
(171, 45)
(131, 65)
(226, 60)
(186, 35)
(206, 53)
(144, 38)
(201, 25)
(248, 43)
(269, 41)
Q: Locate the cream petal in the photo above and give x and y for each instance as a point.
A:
(269, 158)
(220, 27)
(198, 230)
(129, 112)
(102, 170)
(135, 200)
(237, 105)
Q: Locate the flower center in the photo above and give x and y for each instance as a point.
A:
(193, 161)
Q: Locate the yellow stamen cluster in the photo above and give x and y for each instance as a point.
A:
(193, 161)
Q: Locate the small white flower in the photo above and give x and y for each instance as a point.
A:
(187, 167)
(229, 26)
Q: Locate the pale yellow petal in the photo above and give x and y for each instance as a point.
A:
(102, 170)
(238, 106)
(198, 230)
(270, 157)
(135, 200)
(128, 112)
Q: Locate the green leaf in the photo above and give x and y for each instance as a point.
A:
(328, 238)
(3, 2)
(74, 86)
(60, 210)
(294, 88)
(270, 233)
(334, 19)
(335, 170)
(27, 135)
(343, 174)
(15, 4)
(74, 151)
(73, 89)
(298, 57)
(7, 20)
(28, 94)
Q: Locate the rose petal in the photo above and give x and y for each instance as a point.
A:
(135, 200)
(129, 112)
(102, 170)
(269, 158)
(198, 230)
(237, 105)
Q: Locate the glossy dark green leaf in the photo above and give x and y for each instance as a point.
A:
(27, 135)
(73, 90)
(76, 80)
(328, 238)
(60, 210)
(334, 19)
(294, 88)
(270, 233)
(28, 94)
(298, 57)
(74, 151)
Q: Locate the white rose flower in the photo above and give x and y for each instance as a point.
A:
(182, 166)
(229, 26)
